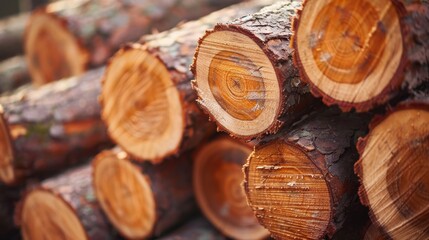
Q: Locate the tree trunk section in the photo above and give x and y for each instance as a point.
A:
(300, 182)
(66, 39)
(13, 74)
(143, 200)
(43, 130)
(196, 229)
(11, 35)
(147, 100)
(380, 52)
(218, 181)
(64, 207)
(393, 170)
(244, 73)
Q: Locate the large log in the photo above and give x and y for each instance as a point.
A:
(11, 35)
(196, 229)
(393, 170)
(147, 101)
(218, 190)
(143, 200)
(13, 74)
(244, 73)
(360, 54)
(300, 183)
(65, 39)
(42, 130)
(64, 207)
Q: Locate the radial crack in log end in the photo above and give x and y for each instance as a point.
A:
(393, 169)
(244, 75)
(217, 184)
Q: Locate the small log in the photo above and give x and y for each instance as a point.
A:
(361, 54)
(11, 35)
(13, 74)
(147, 100)
(65, 39)
(63, 207)
(300, 183)
(393, 169)
(196, 229)
(244, 73)
(218, 190)
(143, 200)
(42, 130)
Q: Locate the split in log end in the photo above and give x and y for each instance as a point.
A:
(52, 51)
(350, 52)
(141, 106)
(283, 185)
(124, 194)
(393, 169)
(217, 183)
(45, 215)
(7, 173)
(236, 83)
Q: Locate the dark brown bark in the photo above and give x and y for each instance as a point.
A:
(171, 187)
(271, 29)
(13, 74)
(11, 35)
(196, 229)
(74, 188)
(412, 72)
(52, 127)
(100, 27)
(327, 140)
(174, 49)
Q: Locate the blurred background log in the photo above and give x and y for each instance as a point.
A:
(44, 130)
(13, 73)
(195, 229)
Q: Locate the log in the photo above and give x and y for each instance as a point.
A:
(244, 73)
(143, 200)
(196, 229)
(63, 207)
(300, 182)
(393, 170)
(147, 101)
(372, 233)
(217, 177)
(43, 130)
(66, 39)
(11, 35)
(13, 74)
(361, 54)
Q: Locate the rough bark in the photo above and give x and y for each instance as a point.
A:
(13, 74)
(100, 27)
(170, 189)
(270, 29)
(279, 168)
(11, 35)
(73, 188)
(174, 49)
(397, 147)
(197, 229)
(409, 73)
(50, 128)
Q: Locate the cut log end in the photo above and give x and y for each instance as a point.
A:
(349, 51)
(125, 195)
(394, 173)
(52, 51)
(236, 83)
(283, 185)
(217, 183)
(372, 233)
(46, 216)
(7, 173)
(141, 106)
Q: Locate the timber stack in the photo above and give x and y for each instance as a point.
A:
(325, 105)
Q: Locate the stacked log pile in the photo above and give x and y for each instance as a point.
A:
(326, 103)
